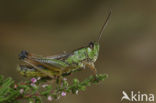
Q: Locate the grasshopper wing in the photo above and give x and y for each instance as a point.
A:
(56, 61)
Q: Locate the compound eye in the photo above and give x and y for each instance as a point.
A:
(91, 44)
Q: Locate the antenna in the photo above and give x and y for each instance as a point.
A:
(104, 25)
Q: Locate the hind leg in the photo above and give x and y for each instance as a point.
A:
(39, 69)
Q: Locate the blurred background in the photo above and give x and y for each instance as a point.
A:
(49, 27)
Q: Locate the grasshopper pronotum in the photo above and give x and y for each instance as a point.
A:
(64, 64)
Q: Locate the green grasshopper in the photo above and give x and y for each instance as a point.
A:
(61, 65)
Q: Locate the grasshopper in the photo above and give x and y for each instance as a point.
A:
(63, 64)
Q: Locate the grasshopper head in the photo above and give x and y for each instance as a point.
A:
(93, 51)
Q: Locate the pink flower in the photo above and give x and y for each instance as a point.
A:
(50, 98)
(63, 94)
(33, 80)
(33, 85)
(15, 86)
(21, 91)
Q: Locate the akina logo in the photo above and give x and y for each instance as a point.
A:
(141, 97)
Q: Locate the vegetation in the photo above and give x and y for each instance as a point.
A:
(36, 89)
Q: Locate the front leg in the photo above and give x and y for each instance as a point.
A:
(91, 66)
